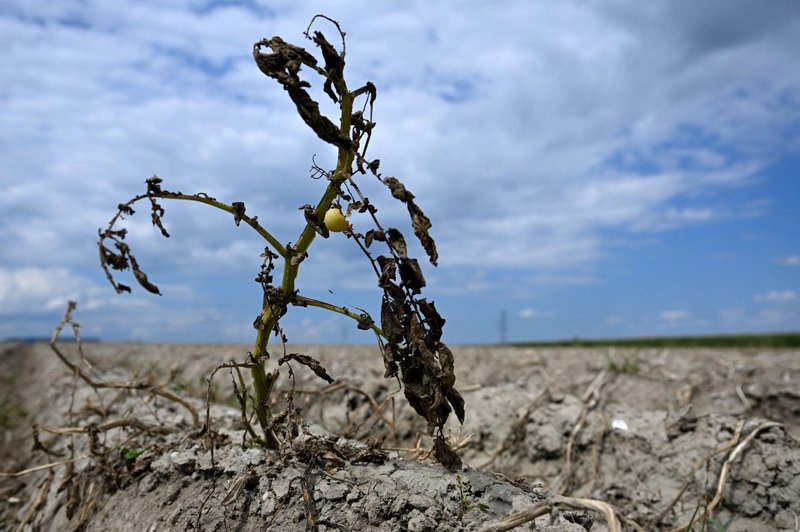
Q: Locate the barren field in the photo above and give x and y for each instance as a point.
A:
(579, 438)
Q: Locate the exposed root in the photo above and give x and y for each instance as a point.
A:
(590, 398)
(696, 467)
(38, 501)
(155, 389)
(516, 433)
(42, 467)
(549, 505)
(726, 466)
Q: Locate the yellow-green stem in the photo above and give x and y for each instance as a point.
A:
(262, 382)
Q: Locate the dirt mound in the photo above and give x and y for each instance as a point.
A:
(648, 438)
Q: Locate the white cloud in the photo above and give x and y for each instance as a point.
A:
(789, 260)
(775, 318)
(672, 316)
(776, 296)
(529, 132)
(32, 290)
(528, 313)
(165, 101)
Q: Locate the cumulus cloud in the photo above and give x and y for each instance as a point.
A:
(33, 290)
(672, 316)
(789, 260)
(776, 296)
(528, 132)
(529, 313)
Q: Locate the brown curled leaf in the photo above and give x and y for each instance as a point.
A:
(374, 165)
(392, 320)
(310, 214)
(433, 319)
(334, 65)
(446, 362)
(116, 262)
(374, 234)
(444, 454)
(411, 275)
(455, 399)
(391, 353)
(397, 242)
(419, 221)
(153, 185)
(365, 322)
(311, 363)
(238, 211)
(388, 270)
(283, 65)
(119, 287)
(141, 277)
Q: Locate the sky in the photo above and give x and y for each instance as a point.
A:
(592, 169)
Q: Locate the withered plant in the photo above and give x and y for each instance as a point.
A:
(410, 331)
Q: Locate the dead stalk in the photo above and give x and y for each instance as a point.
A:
(547, 506)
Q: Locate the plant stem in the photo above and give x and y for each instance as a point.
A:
(228, 208)
(307, 301)
(262, 382)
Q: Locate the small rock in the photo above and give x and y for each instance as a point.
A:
(183, 461)
(161, 465)
(418, 521)
(204, 464)
(148, 483)
(353, 495)
(281, 485)
(420, 502)
(267, 504)
(333, 492)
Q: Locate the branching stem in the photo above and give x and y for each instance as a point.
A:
(277, 246)
(309, 302)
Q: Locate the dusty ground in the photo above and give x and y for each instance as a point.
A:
(655, 435)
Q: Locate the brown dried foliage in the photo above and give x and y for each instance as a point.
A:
(412, 328)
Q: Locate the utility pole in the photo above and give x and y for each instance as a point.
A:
(503, 326)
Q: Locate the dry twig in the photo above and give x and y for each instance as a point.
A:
(544, 507)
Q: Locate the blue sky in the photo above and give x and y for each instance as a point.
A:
(615, 168)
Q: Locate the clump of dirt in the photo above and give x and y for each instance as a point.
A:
(643, 439)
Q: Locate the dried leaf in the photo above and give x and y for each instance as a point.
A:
(374, 234)
(310, 363)
(433, 319)
(444, 454)
(373, 92)
(446, 362)
(238, 211)
(455, 399)
(411, 275)
(141, 277)
(122, 288)
(310, 214)
(392, 320)
(116, 262)
(153, 185)
(334, 64)
(397, 242)
(390, 355)
(374, 165)
(419, 221)
(365, 322)
(388, 268)
(283, 65)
